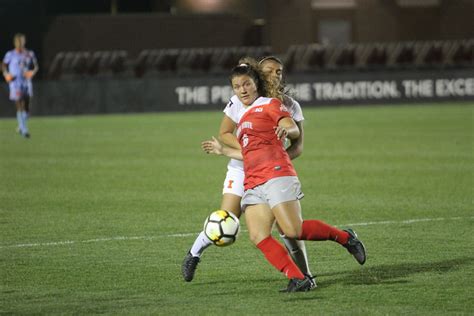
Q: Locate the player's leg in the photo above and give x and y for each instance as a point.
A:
(297, 250)
(21, 117)
(15, 97)
(29, 94)
(24, 115)
(292, 190)
(27, 104)
(260, 219)
(230, 202)
(233, 189)
(288, 215)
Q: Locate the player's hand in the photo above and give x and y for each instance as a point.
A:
(212, 146)
(281, 132)
(8, 77)
(28, 74)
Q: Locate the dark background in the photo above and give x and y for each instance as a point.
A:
(55, 25)
(288, 28)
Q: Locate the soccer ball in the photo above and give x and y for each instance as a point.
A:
(222, 228)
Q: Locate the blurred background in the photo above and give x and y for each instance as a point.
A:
(105, 56)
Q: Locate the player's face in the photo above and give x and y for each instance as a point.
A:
(245, 89)
(273, 69)
(19, 42)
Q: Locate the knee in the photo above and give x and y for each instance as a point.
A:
(292, 232)
(257, 237)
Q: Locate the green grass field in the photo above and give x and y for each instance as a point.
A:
(97, 213)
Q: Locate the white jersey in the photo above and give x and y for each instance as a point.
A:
(235, 109)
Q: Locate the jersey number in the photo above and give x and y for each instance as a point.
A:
(230, 184)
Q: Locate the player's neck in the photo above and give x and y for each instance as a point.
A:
(20, 49)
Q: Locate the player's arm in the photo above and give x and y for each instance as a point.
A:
(8, 77)
(226, 133)
(296, 147)
(217, 148)
(35, 66)
(287, 128)
(32, 72)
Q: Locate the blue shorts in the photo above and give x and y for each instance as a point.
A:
(20, 89)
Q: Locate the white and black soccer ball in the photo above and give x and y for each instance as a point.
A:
(222, 228)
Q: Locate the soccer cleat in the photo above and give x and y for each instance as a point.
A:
(355, 247)
(26, 135)
(300, 285)
(313, 281)
(189, 266)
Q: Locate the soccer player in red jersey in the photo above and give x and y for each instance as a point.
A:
(233, 186)
(272, 188)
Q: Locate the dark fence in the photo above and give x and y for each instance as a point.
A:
(298, 59)
(196, 78)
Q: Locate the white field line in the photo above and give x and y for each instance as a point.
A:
(181, 235)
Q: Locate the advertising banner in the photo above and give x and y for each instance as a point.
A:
(201, 92)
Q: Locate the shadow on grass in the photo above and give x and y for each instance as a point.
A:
(385, 274)
(393, 273)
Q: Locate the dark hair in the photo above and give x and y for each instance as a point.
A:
(250, 67)
(272, 58)
(282, 88)
(252, 72)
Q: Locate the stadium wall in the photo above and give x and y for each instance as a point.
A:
(176, 93)
(368, 21)
(135, 32)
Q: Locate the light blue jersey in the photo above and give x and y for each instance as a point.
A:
(18, 62)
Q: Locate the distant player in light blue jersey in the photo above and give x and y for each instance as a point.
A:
(19, 67)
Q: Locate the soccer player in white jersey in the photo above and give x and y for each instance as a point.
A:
(233, 188)
(19, 67)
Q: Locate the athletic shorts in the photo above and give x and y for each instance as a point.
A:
(20, 89)
(273, 192)
(234, 181)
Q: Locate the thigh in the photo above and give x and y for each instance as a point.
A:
(20, 105)
(231, 202)
(288, 217)
(26, 103)
(282, 189)
(259, 219)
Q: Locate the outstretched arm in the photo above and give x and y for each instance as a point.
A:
(215, 147)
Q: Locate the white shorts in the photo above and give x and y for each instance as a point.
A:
(273, 192)
(234, 181)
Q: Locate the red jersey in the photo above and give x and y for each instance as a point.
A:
(264, 156)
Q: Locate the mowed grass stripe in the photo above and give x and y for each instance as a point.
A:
(182, 235)
(90, 179)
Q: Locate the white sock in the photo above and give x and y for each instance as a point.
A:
(297, 251)
(19, 118)
(200, 244)
(24, 117)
